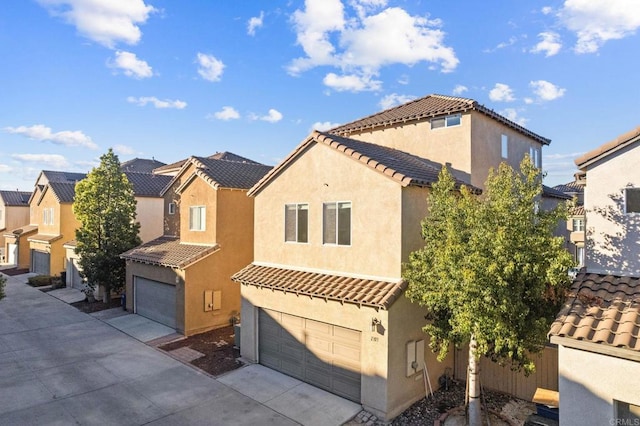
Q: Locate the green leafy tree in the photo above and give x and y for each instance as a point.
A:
(106, 209)
(491, 273)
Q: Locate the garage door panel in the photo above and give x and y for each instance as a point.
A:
(318, 353)
(155, 300)
(40, 262)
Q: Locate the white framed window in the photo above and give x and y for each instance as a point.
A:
(172, 208)
(505, 146)
(632, 200)
(296, 223)
(535, 155)
(577, 225)
(336, 223)
(197, 218)
(580, 256)
(446, 121)
(47, 216)
(51, 215)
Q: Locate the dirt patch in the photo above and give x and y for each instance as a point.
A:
(14, 271)
(220, 355)
(89, 307)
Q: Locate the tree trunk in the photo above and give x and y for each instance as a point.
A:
(475, 409)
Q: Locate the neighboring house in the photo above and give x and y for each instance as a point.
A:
(323, 299)
(575, 220)
(14, 212)
(597, 332)
(183, 280)
(141, 165)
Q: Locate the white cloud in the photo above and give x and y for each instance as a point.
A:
(546, 10)
(124, 150)
(227, 113)
(460, 89)
(49, 160)
(323, 126)
(41, 132)
(549, 44)
(394, 99)
(501, 93)
(360, 45)
(272, 117)
(513, 115)
(597, 21)
(107, 22)
(158, 103)
(130, 65)
(4, 168)
(210, 68)
(351, 83)
(546, 91)
(255, 23)
(502, 45)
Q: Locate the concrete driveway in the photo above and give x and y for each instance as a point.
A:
(59, 366)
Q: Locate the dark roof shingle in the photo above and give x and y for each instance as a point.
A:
(64, 192)
(168, 251)
(15, 198)
(360, 291)
(147, 184)
(602, 309)
(141, 165)
(424, 108)
(68, 177)
(229, 174)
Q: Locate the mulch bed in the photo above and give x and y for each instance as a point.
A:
(89, 307)
(220, 356)
(14, 271)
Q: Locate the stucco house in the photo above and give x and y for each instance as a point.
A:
(14, 212)
(597, 332)
(335, 220)
(182, 279)
(576, 222)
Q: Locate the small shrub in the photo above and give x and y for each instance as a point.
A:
(3, 280)
(40, 280)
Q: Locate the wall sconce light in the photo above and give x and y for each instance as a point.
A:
(375, 322)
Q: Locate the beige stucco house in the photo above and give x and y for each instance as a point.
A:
(323, 299)
(597, 332)
(14, 212)
(182, 279)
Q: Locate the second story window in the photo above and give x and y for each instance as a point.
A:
(336, 221)
(505, 146)
(172, 208)
(296, 223)
(535, 155)
(577, 225)
(47, 216)
(447, 121)
(632, 200)
(197, 218)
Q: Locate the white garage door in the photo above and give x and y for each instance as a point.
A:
(155, 300)
(321, 354)
(73, 274)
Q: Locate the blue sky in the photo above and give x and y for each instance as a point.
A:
(167, 79)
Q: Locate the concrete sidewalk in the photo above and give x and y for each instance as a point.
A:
(61, 366)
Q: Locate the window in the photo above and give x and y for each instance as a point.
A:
(580, 256)
(197, 218)
(535, 155)
(47, 216)
(505, 146)
(578, 225)
(336, 219)
(172, 208)
(296, 223)
(632, 200)
(447, 121)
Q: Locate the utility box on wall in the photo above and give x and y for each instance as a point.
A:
(212, 300)
(415, 357)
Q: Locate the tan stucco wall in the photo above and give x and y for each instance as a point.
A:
(324, 175)
(171, 221)
(450, 144)
(198, 193)
(149, 215)
(12, 218)
(612, 243)
(589, 383)
(24, 253)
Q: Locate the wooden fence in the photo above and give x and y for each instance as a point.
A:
(493, 376)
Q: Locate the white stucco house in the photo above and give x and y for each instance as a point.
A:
(598, 330)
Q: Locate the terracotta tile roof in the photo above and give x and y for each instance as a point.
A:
(141, 165)
(359, 291)
(577, 211)
(603, 309)
(230, 174)
(15, 198)
(147, 184)
(554, 193)
(23, 230)
(608, 148)
(169, 251)
(407, 169)
(570, 188)
(423, 109)
(225, 155)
